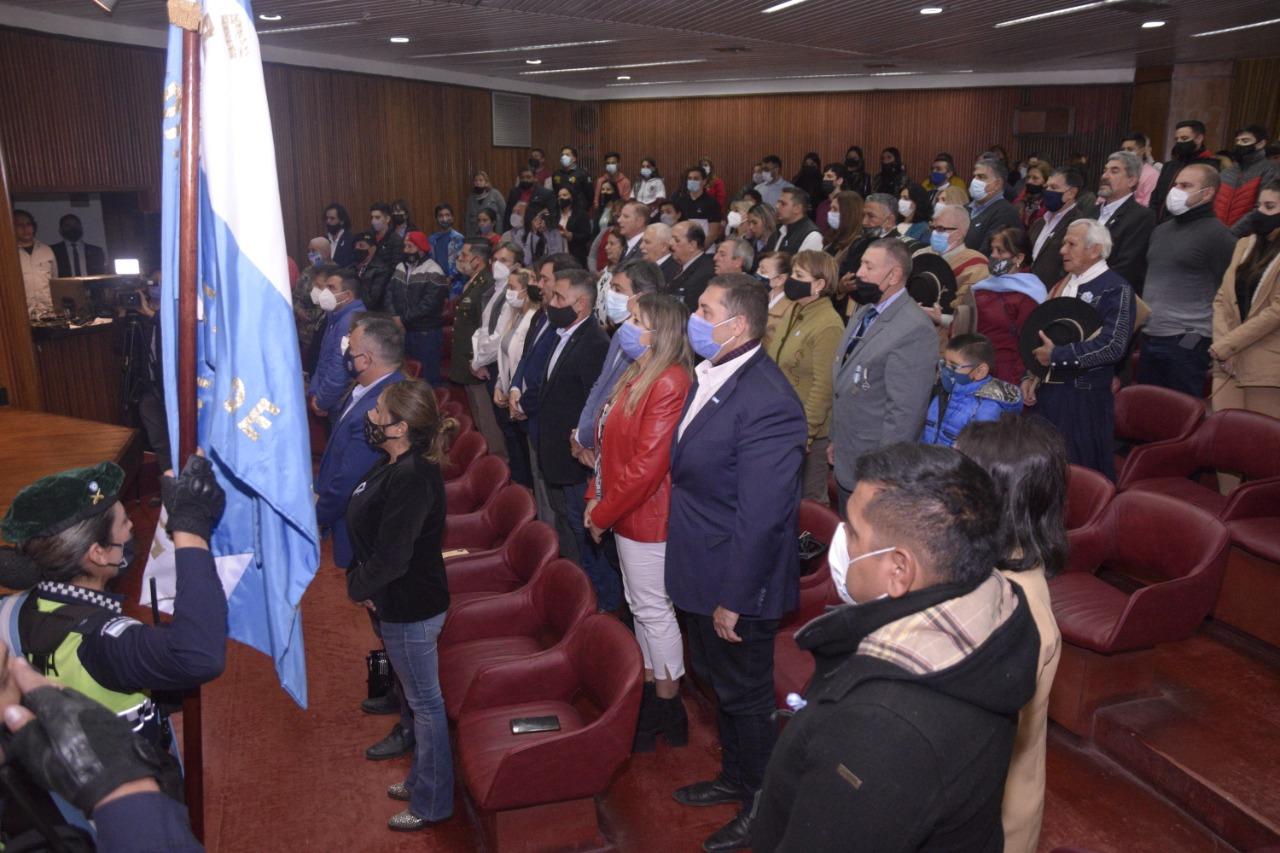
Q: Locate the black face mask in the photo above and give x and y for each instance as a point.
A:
(479, 190)
(72, 234)
(562, 317)
(828, 187)
(534, 164)
(525, 185)
(1035, 189)
(1238, 152)
(888, 167)
(126, 556)
(1263, 223)
(853, 163)
(565, 203)
(375, 434)
(795, 289)
(333, 229)
(534, 293)
(1184, 150)
(866, 292)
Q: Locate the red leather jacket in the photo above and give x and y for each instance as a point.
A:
(635, 461)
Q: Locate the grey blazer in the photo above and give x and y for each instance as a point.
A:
(881, 391)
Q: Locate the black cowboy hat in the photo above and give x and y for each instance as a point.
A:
(1066, 320)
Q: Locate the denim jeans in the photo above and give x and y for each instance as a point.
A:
(411, 646)
(1166, 362)
(426, 346)
(604, 577)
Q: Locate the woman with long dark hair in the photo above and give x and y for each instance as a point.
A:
(1027, 461)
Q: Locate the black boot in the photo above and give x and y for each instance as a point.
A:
(673, 721)
(649, 723)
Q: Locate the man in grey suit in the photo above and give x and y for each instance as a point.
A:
(885, 367)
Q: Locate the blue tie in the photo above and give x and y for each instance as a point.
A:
(863, 324)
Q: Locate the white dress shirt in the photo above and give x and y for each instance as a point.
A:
(1051, 221)
(1074, 282)
(564, 334)
(1109, 209)
(811, 243)
(358, 391)
(710, 378)
(333, 241)
(38, 266)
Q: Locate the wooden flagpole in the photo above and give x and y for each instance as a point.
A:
(187, 16)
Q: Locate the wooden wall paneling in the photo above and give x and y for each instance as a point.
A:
(18, 372)
(1150, 113)
(1255, 95)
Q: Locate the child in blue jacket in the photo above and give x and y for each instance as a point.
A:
(967, 391)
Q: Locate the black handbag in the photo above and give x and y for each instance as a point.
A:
(810, 547)
(380, 675)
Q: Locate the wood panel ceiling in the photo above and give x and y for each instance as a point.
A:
(727, 45)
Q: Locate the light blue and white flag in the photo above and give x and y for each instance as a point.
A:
(252, 420)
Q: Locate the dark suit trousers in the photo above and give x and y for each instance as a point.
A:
(742, 676)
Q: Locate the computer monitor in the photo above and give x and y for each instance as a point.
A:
(127, 266)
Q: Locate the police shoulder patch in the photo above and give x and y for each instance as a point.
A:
(117, 626)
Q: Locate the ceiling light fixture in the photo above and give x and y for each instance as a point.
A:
(778, 7)
(263, 16)
(931, 10)
(1070, 10)
(399, 39)
(533, 62)
(521, 49)
(105, 5)
(1152, 25)
(896, 73)
(624, 76)
(612, 67)
(1236, 29)
(307, 28)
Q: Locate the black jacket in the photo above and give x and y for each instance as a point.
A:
(417, 298)
(996, 216)
(1130, 226)
(579, 228)
(539, 196)
(688, 284)
(881, 759)
(374, 281)
(578, 182)
(95, 260)
(560, 400)
(396, 522)
(670, 269)
(1169, 173)
(1048, 264)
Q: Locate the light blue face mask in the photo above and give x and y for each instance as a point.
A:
(615, 306)
(938, 241)
(693, 186)
(629, 340)
(700, 336)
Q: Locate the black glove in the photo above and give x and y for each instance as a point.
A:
(194, 499)
(80, 750)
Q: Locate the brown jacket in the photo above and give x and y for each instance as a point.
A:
(779, 315)
(1253, 346)
(805, 348)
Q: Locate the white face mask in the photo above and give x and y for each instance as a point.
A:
(766, 177)
(667, 219)
(1176, 201)
(611, 168)
(906, 206)
(515, 299)
(517, 220)
(839, 562)
(977, 189)
(615, 306)
(566, 160)
(501, 271)
(833, 218)
(646, 172)
(345, 343)
(324, 298)
(734, 219)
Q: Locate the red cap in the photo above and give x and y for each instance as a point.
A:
(418, 239)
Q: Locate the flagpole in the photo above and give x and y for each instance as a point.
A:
(188, 260)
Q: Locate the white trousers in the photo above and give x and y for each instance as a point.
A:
(643, 582)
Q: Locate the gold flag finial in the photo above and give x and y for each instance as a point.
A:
(185, 14)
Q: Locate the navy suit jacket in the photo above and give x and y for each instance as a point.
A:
(735, 497)
(531, 372)
(344, 253)
(347, 458)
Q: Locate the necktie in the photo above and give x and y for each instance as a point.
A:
(863, 324)
(71, 256)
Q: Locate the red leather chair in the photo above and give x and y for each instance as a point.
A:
(449, 408)
(1250, 597)
(591, 683)
(792, 666)
(1145, 536)
(514, 626)
(1088, 494)
(487, 528)
(474, 489)
(1232, 441)
(1152, 414)
(465, 425)
(504, 569)
(821, 522)
(467, 447)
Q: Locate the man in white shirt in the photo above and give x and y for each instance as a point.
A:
(38, 265)
(771, 181)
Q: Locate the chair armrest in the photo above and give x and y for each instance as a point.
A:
(511, 614)
(1171, 610)
(1159, 459)
(1086, 547)
(467, 530)
(1259, 499)
(546, 675)
(475, 574)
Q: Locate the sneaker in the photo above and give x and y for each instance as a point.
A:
(399, 742)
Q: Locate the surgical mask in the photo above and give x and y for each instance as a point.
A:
(938, 178)
(315, 258)
(324, 298)
(838, 561)
(611, 168)
(501, 271)
(566, 160)
(766, 177)
(515, 299)
(486, 227)
(1176, 201)
(977, 189)
(795, 289)
(939, 241)
(561, 317)
(949, 378)
(757, 177)
(615, 306)
(700, 336)
(379, 226)
(866, 292)
(629, 340)
(833, 219)
(693, 186)
(646, 172)
(1053, 201)
(706, 167)
(734, 219)
(444, 223)
(906, 206)
(1183, 150)
(517, 220)
(668, 219)
(349, 362)
(1000, 266)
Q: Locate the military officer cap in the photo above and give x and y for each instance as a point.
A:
(54, 503)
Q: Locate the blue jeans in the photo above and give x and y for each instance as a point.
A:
(426, 347)
(604, 577)
(1165, 361)
(411, 646)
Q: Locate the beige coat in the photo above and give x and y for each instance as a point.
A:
(1023, 807)
(1254, 345)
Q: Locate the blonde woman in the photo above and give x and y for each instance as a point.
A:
(631, 493)
(522, 302)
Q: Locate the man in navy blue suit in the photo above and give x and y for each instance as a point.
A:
(732, 561)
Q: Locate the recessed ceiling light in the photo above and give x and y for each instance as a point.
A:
(624, 76)
(399, 39)
(1070, 10)
(1236, 29)
(307, 28)
(778, 7)
(533, 62)
(263, 16)
(931, 10)
(1152, 25)
(524, 48)
(613, 67)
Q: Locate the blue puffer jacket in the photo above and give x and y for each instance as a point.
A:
(985, 400)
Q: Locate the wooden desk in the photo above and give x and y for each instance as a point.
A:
(35, 444)
(82, 371)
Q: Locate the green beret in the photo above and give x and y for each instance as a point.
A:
(54, 503)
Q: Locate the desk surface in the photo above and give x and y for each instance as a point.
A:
(35, 444)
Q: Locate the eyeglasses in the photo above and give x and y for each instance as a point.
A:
(942, 229)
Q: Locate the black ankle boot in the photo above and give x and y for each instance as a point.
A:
(673, 722)
(649, 721)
